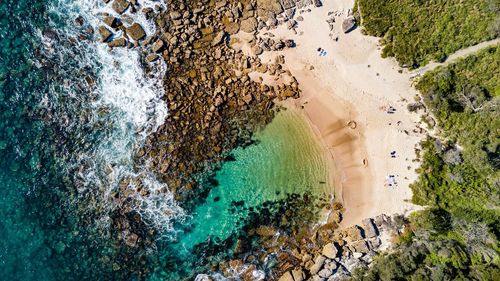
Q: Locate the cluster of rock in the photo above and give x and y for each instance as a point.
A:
(122, 31)
(334, 256)
(349, 249)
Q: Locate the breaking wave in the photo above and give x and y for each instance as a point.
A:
(109, 104)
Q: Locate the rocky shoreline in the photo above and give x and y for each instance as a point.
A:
(214, 106)
(325, 253)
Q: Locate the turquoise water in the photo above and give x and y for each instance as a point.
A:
(286, 159)
(69, 113)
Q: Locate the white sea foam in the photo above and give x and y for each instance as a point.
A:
(126, 103)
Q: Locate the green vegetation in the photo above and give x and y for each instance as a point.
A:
(417, 31)
(456, 237)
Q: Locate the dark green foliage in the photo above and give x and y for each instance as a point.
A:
(416, 31)
(469, 187)
(456, 237)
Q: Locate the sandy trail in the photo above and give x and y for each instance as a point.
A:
(455, 56)
(346, 96)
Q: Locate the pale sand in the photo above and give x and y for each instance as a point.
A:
(341, 88)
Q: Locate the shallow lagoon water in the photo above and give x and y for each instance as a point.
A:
(286, 159)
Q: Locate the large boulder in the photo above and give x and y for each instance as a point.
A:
(249, 25)
(330, 251)
(136, 32)
(318, 264)
(370, 229)
(298, 275)
(360, 247)
(286, 277)
(105, 33)
(349, 24)
(120, 42)
(267, 9)
(120, 6)
(353, 233)
(232, 28)
(111, 21)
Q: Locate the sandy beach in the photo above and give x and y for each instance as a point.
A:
(356, 102)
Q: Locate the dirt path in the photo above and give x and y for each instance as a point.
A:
(462, 53)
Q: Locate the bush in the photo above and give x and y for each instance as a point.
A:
(415, 32)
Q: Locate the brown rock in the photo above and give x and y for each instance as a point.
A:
(257, 50)
(131, 240)
(105, 33)
(353, 233)
(249, 25)
(298, 275)
(136, 32)
(111, 21)
(265, 231)
(218, 38)
(158, 46)
(120, 42)
(120, 6)
(175, 15)
(318, 264)
(330, 251)
(286, 277)
(152, 57)
(232, 28)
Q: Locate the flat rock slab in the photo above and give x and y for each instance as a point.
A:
(136, 32)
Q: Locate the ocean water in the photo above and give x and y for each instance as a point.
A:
(73, 114)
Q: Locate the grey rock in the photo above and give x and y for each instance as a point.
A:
(325, 273)
(360, 246)
(287, 4)
(370, 229)
(348, 24)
